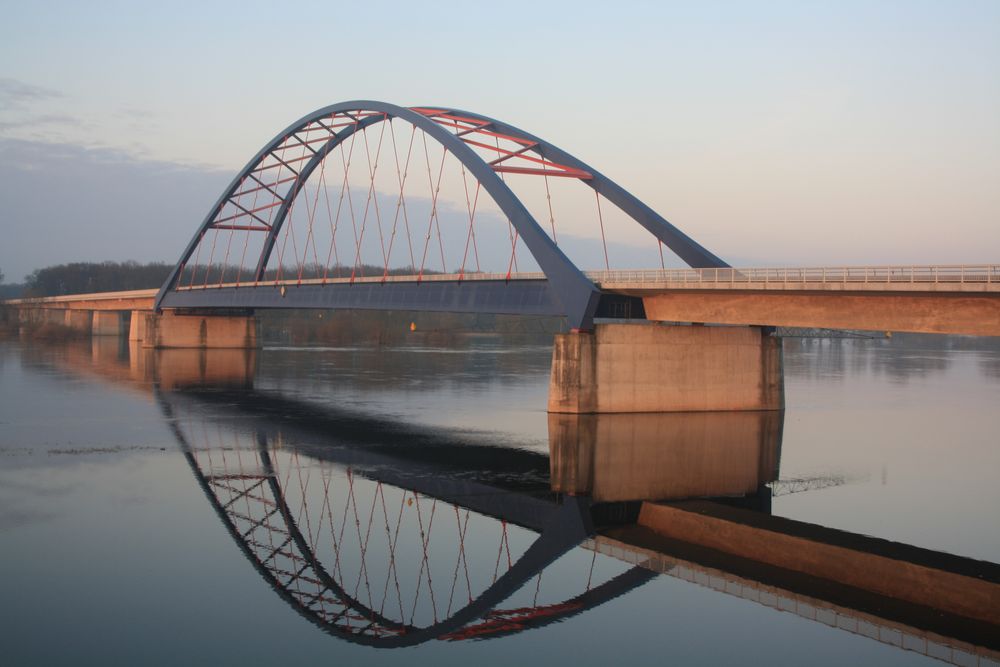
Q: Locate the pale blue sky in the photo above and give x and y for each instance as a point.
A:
(782, 133)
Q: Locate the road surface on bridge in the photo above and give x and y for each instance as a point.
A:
(958, 299)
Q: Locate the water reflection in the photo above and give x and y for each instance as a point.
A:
(389, 533)
(903, 358)
(381, 552)
(617, 457)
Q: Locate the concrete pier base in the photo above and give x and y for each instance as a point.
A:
(170, 330)
(653, 367)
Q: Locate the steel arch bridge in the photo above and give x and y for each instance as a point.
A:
(260, 244)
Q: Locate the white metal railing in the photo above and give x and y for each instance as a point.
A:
(955, 273)
(426, 278)
(938, 274)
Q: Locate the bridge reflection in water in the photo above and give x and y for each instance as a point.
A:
(391, 534)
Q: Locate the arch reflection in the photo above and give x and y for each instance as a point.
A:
(380, 551)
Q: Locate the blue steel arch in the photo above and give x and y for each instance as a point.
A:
(577, 294)
(695, 255)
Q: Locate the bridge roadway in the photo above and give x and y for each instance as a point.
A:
(957, 299)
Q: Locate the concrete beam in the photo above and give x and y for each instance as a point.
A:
(973, 315)
(128, 300)
(656, 368)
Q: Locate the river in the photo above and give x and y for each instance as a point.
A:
(415, 504)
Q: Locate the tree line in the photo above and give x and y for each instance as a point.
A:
(87, 277)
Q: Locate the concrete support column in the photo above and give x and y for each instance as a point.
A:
(29, 316)
(136, 325)
(78, 320)
(170, 330)
(661, 368)
(108, 323)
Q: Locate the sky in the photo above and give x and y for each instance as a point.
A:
(774, 133)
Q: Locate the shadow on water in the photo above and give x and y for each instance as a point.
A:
(388, 533)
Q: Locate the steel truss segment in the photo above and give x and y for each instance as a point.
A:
(280, 162)
(247, 211)
(263, 186)
(506, 155)
(307, 142)
(242, 228)
(541, 172)
(521, 155)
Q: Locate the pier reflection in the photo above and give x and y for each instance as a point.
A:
(388, 533)
(618, 457)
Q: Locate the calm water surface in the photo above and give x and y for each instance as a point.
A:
(412, 505)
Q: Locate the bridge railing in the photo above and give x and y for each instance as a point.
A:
(930, 274)
(958, 273)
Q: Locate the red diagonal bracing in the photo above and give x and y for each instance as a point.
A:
(263, 186)
(478, 126)
(249, 212)
(563, 170)
(244, 228)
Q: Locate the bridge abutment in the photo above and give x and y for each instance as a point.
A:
(172, 330)
(652, 367)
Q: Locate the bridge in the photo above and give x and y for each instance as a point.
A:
(361, 204)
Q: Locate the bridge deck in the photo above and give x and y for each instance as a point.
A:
(939, 278)
(938, 299)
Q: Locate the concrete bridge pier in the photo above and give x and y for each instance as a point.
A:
(173, 329)
(78, 320)
(653, 367)
(109, 322)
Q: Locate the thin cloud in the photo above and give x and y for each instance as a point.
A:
(15, 93)
(33, 121)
